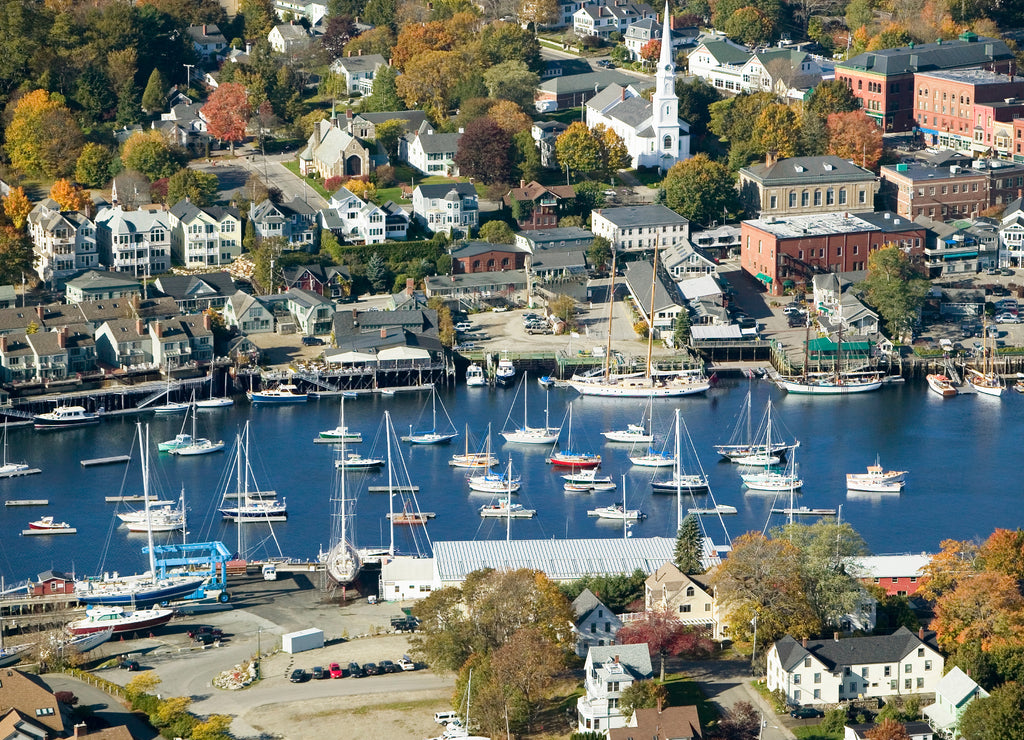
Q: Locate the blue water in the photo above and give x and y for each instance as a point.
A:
(963, 481)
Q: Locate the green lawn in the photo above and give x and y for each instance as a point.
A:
(684, 691)
(814, 732)
(314, 183)
(411, 176)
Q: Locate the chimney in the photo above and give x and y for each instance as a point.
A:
(622, 95)
(920, 633)
(348, 114)
(3, 344)
(355, 315)
(81, 730)
(158, 329)
(803, 642)
(410, 286)
(62, 337)
(40, 312)
(204, 30)
(248, 48)
(835, 636)
(522, 184)
(207, 323)
(383, 333)
(140, 326)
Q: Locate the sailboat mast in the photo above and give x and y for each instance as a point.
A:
(611, 306)
(750, 435)
(650, 315)
(679, 482)
(508, 502)
(238, 489)
(391, 492)
(343, 533)
(525, 422)
(144, 450)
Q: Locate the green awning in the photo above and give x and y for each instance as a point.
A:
(766, 279)
(825, 344)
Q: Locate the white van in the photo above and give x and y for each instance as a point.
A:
(443, 718)
(269, 572)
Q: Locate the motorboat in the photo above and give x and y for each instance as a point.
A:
(475, 375)
(503, 509)
(47, 522)
(617, 512)
(119, 621)
(505, 373)
(877, 480)
(65, 417)
(341, 433)
(713, 510)
(180, 440)
(156, 508)
(355, 461)
(941, 384)
(527, 435)
(282, 394)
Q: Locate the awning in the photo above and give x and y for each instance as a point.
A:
(766, 279)
(960, 255)
(403, 353)
(351, 358)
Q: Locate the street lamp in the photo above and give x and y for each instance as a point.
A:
(753, 654)
(259, 668)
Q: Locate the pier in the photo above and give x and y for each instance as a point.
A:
(40, 532)
(19, 473)
(113, 460)
(28, 502)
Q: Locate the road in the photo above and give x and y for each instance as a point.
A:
(232, 173)
(108, 710)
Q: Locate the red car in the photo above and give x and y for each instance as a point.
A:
(335, 670)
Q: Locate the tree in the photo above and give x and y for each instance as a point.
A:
(445, 325)
(377, 272)
(987, 609)
(380, 12)
(734, 119)
(149, 152)
(888, 729)
(614, 155)
(642, 695)
(510, 116)
(743, 722)
(689, 546)
(995, 717)
(227, 112)
(599, 253)
(701, 189)
(497, 232)
(505, 42)
(419, 38)
(17, 206)
(15, 254)
(616, 592)
(1003, 552)
(69, 197)
(511, 80)
(155, 93)
(384, 96)
(144, 683)
(199, 187)
(258, 16)
(564, 307)
(651, 51)
(43, 138)
(430, 79)
(338, 32)
(483, 151)
(387, 134)
(665, 635)
(525, 156)
(527, 665)
(171, 709)
(695, 96)
(129, 105)
(955, 561)
(577, 149)
(762, 578)
(778, 131)
(831, 96)
(894, 288)
(859, 13)
(215, 727)
(681, 330)
(890, 37)
(538, 12)
(855, 136)
(749, 25)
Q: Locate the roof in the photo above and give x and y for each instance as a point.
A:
(970, 76)
(98, 280)
(364, 63)
(561, 560)
(632, 111)
(635, 658)
(187, 286)
(631, 216)
(186, 210)
(585, 603)
(823, 224)
(96, 312)
(889, 566)
(699, 287)
(638, 278)
(727, 52)
(915, 730)
(550, 237)
(475, 280)
(28, 694)
(806, 170)
(956, 686)
(534, 190)
(472, 249)
(924, 57)
(559, 259)
(661, 724)
(438, 143)
(290, 31)
(440, 190)
(835, 654)
(568, 84)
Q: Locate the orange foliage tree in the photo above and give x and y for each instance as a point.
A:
(415, 39)
(888, 729)
(510, 117)
(953, 562)
(227, 113)
(430, 80)
(651, 51)
(855, 136)
(69, 196)
(17, 206)
(986, 609)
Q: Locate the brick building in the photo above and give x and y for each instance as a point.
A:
(883, 80)
(1017, 146)
(967, 109)
(793, 249)
(486, 257)
(915, 188)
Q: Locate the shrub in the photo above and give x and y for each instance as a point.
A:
(332, 183)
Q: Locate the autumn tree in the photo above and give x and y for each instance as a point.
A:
(665, 635)
(511, 80)
(762, 578)
(701, 189)
(1003, 552)
(749, 25)
(199, 187)
(955, 561)
(894, 288)
(778, 131)
(150, 153)
(17, 206)
(538, 12)
(642, 695)
(506, 42)
(69, 196)
(363, 189)
(689, 546)
(734, 120)
(890, 37)
(614, 155)
(430, 80)
(483, 152)
(741, 722)
(497, 232)
(419, 38)
(227, 112)
(995, 717)
(855, 136)
(650, 51)
(577, 149)
(987, 609)
(339, 30)
(214, 727)
(94, 165)
(830, 96)
(510, 116)
(43, 138)
(15, 254)
(526, 667)
(564, 308)
(144, 683)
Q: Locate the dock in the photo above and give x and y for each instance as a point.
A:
(256, 495)
(19, 473)
(393, 489)
(805, 511)
(114, 460)
(128, 499)
(339, 442)
(28, 502)
(60, 530)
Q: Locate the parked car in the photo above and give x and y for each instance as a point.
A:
(388, 666)
(371, 669)
(404, 624)
(463, 326)
(355, 671)
(540, 330)
(207, 638)
(1008, 271)
(1007, 318)
(796, 320)
(205, 629)
(319, 673)
(747, 323)
(406, 663)
(130, 665)
(312, 341)
(299, 676)
(806, 713)
(335, 671)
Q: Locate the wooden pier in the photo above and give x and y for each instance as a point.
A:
(113, 460)
(128, 499)
(28, 502)
(19, 473)
(329, 441)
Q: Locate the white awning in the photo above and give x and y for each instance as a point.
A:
(403, 353)
(351, 358)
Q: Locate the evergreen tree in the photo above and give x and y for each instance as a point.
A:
(156, 91)
(688, 546)
(377, 272)
(129, 106)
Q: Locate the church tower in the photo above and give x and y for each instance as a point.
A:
(664, 103)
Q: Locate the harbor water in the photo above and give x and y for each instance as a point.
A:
(962, 480)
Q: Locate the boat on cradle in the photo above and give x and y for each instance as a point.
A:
(941, 384)
(712, 510)
(196, 445)
(432, 436)
(804, 511)
(475, 376)
(342, 433)
(341, 560)
(527, 435)
(505, 373)
(653, 459)
(12, 469)
(569, 458)
(617, 512)
(284, 393)
(88, 641)
(355, 461)
(47, 522)
(11, 655)
(65, 417)
(877, 480)
(475, 459)
(214, 402)
(771, 479)
(119, 620)
(985, 381)
(747, 448)
(503, 509)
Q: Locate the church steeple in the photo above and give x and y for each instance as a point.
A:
(665, 61)
(664, 102)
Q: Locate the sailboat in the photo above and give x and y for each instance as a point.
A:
(9, 469)
(639, 385)
(196, 445)
(642, 433)
(838, 383)
(771, 479)
(216, 402)
(985, 381)
(742, 448)
(341, 433)
(469, 459)
(251, 509)
(569, 458)
(341, 559)
(432, 436)
(170, 407)
(144, 589)
(527, 435)
(495, 482)
(679, 482)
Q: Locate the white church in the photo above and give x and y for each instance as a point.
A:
(652, 131)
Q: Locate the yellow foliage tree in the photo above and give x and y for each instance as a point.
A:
(510, 117)
(17, 206)
(144, 683)
(172, 708)
(69, 196)
(777, 130)
(214, 728)
(43, 138)
(361, 189)
(429, 81)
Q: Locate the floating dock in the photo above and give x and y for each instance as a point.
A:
(28, 502)
(59, 530)
(19, 473)
(128, 499)
(805, 511)
(255, 495)
(329, 441)
(115, 460)
(393, 489)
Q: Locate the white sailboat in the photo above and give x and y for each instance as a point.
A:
(341, 560)
(680, 482)
(216, 402)
(527, 435)
(771, 479)
(169, 406)
(474, 460)
(985, 381)
(196, 445)
(161, 520)
(250, 509)
(642, 433)
(570, 458)
(744, 449)
(432, 436)
(8, 469)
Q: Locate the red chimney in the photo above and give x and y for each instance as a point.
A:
(920, 633)
(410, 286)
(207, 322)
(62, 337)
(348, 113)
(622, 95)
(81, 730)
(804, 642)
(204, 30)
(40, 312)
(159, 330)
(383, 333)
(522, 184)
(3, 344)
(140, 326)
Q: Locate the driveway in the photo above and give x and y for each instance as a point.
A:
(102, 705)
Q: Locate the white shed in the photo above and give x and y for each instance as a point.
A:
(298, 642)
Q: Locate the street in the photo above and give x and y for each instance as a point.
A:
(233, 172)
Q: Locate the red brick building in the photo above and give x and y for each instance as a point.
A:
(779, 250)
(883, 80)
(968, 188)
(486, 257)
(967, 109)
(899, 575)
(1017, 147)
(536, 206)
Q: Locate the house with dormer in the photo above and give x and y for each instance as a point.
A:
(296, 222)
(802, 185)
(62, 241)
(333, 281)
(596, 625)
(359, 71)
(535, 206)
(360, 221)
(288, 38)
(720, 62)
(36, 711)
(331, 151)
(609, 671)
(197, 293)
(364, 125)
(205, 236)
(824, 672)
(248, 313)
(954, 692)
(449, 207)
(430, 152)
(207, 39)
(689, 598)
(124, 343)
(311, 311)
(170, 343)
(136, 242)
(605, 17)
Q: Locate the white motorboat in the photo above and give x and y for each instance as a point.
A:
(65, 417)
(877, 480)
(475, 376)
(617, 512)
(156, 508)
(180, 440)
(282, 394)
(527, 435)
(712, 510)
(941, 384)
(505, 373)
(504, 509)
(119, 621)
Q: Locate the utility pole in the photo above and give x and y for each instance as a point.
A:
(188, 74)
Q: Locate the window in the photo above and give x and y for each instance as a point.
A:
(796, 679)
(796, 695)
(846, 670)
(927, 665)
(707, 607)
(817, 694)
(689, 591)
(684, 609)
(44, 712)
(773, 202)
(887, 671)
(920, 683)
(792, 200)
(830, 197)
(908, 684)
(817, 197)
(805, 198)
(864, 672)
(920, 652)
(807, 662)
(593, 628)
(892, 685)
(862, 196)
(842, 196)
(908, 668)
(817, 678)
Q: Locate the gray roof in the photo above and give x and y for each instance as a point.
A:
(476, 280)
(292, 31)
(186, 286)
(559, 259)
(632, 111)
(185, 210)
(885, 220)
(835, 654)
(638, 278)
(585, 603)
(98, 280)
(634, 658)
(569, 84)
(439, 143)
(549, 238)
(652, 215)
(561, 560)
(472, 249)
(418, 320)
(96, 312)
(808, 170)
(440, 190)
(926, 57)
(307, 298)
(364, 63)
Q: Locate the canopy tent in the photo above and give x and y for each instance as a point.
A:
(403, 353)
(351, 358)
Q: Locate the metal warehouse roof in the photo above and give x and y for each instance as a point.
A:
(561, 560)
